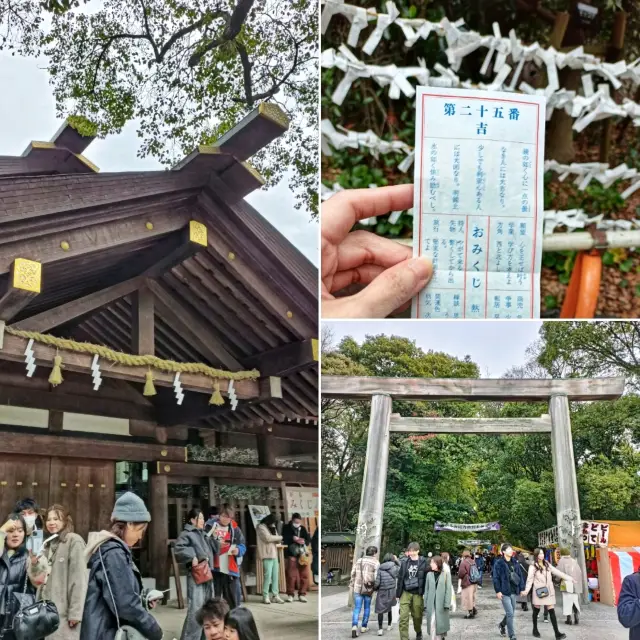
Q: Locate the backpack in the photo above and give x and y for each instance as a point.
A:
(474, 574)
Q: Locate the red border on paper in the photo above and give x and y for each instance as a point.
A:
(535, 194)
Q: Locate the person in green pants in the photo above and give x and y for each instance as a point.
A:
(410, 591)
(268, 540)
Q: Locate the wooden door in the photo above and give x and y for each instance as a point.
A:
(87, 489)
(23, 477)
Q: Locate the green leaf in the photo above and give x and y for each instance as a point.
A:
(623, 283)
(550, 302)
(626, 265)
(564, 277)
(608, 258)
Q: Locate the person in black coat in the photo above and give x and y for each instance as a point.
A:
(412, 578)
(114, 595)
(14, 559)
(294, 535)
(315, 564)
(386, 585)
(508, 581)
(629, 605)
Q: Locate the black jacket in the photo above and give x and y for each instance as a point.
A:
(287, 537)
(422, 575)
(99, 619)
(501, 581)
(194, 543)
(13, 577)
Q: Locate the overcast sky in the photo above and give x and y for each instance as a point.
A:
(27, 113)
(495, 346)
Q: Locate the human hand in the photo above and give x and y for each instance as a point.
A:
(194, 562)
(459, 589)
(392, 276)
(73, 623)
(33, 557)
(523, 593)
(8, 526)
(499, 596)
(233, 552)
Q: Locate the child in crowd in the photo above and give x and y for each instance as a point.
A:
(240, 625)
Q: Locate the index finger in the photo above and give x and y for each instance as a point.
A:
(347, 207)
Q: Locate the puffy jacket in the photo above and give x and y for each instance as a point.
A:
(194, 543)
(14, 579)
(387, 576)
(502, 583)
(98, 618)
(422, 575)
(629, 605)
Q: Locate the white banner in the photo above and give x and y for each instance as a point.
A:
(303, 501)
(595, 533)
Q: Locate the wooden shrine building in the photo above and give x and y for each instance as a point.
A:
(143, 312)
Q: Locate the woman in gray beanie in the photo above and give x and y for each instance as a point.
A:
(115, 586)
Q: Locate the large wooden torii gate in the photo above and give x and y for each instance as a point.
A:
(382, 423)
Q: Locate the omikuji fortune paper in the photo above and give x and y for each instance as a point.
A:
(478, 205)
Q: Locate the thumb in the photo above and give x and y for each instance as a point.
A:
(394, 287)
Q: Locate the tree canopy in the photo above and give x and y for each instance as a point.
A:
(186, 71)
(476, 478)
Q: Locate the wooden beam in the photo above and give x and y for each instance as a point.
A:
(75, 309)
(14, 348)
(470, 425)
(37, 397)
(239, 473)
(56, 421)
(25, 282)
(73, 447)
(279, 431)
(285, 360)
(193, 239)
(80, 242)
(192, 327)
(505, 390)
(143, 322)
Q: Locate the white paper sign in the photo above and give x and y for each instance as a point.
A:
(302, 501)
(478, 206)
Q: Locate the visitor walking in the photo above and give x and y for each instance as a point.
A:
(572, 590)
(268, 540)
(195, 549)
(508, 581)
(446, 566)
(386, 585)
(115, 586)
(14, 575)
(363, 584)
(211, 618)
(226, 570)
(410, 590)
(437, 599)
(521, 559)
(66, 572)
(629, 605)
(543, 592)
(296, 538)
(468, 578)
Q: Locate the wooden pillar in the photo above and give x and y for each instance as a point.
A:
(212, 492)
(566, 484)
(266, 451)
(374, 486)
(142, 315)
(159, 529)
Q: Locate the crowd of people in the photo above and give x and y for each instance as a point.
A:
(423, 586)
(90, 591)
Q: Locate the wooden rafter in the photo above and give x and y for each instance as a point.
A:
(23, 285)
(285, 360)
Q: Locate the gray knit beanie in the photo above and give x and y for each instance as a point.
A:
(130, 508)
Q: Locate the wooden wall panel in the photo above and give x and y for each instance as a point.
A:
(23, 477)
(87, 489)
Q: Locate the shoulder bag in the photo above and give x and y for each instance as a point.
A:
(201, 573)
(125, 632)
(34, 620)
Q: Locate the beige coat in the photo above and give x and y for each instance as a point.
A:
(267, 542)
(537, 579)
(66, 584)
(571, 567)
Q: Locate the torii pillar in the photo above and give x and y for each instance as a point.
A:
(566, 484)
(374, 484)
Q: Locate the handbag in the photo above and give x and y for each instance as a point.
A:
(304, 559)
(125, 632)
(201, 573)
(34, 620)
(542, 592)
